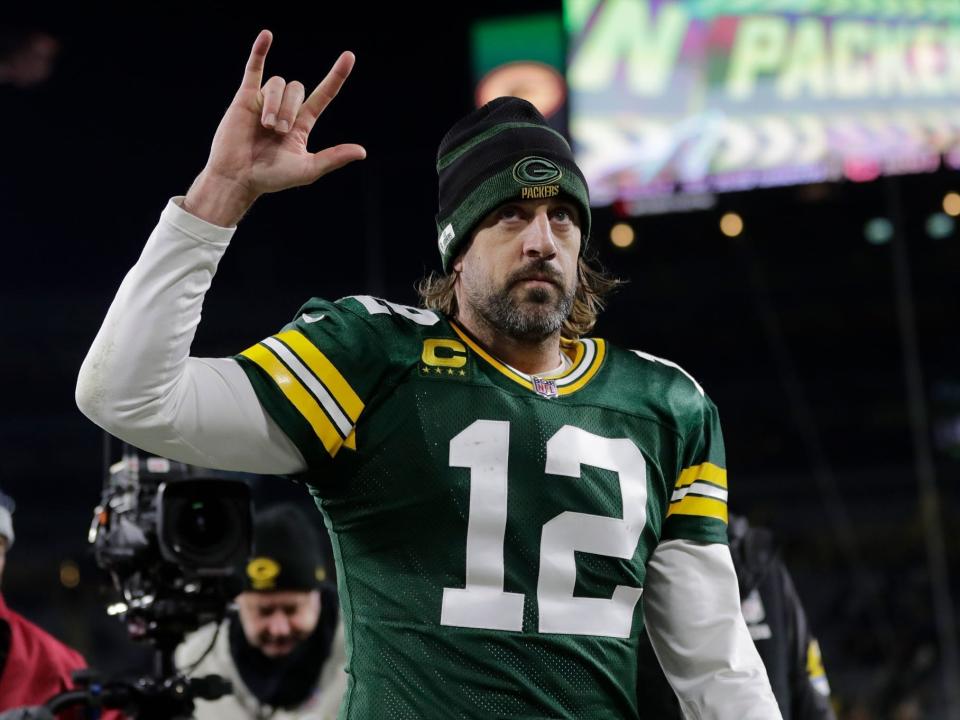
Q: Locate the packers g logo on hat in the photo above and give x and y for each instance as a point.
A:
(263, 572)
(536, 170)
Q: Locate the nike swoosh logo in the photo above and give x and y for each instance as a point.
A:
(312, 319)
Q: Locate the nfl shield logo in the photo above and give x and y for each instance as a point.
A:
(547, 388)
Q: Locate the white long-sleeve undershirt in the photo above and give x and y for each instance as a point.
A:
(139, 383)
(700, 637)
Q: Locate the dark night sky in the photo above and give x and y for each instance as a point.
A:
(90, 158)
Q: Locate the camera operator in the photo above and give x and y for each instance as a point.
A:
(283, 649)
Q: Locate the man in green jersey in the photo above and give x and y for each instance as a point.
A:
(500, 491)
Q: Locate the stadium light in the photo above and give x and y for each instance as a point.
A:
(622, 235)
(939, 226)
(731, 224)
(69, 574)
(951, 204)
(878, 231)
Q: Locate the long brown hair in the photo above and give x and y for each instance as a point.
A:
(594, 284)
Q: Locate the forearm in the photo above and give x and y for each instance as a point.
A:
(138, 381)
(692, 607)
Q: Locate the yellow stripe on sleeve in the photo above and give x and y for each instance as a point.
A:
(705, 471)
(321, 366)
(703, 506)
(298, 396)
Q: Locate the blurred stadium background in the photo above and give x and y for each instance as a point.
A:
(778, 181)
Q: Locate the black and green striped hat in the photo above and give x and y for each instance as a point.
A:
(502, 151)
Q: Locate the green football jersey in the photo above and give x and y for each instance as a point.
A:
(491, 529)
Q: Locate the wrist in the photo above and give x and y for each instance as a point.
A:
(218, 200)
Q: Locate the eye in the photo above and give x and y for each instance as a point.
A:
(564, 214)
(509, 212)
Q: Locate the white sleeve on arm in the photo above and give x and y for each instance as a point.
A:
(692, 607)
(139, 382)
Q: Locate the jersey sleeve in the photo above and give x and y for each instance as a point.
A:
(697, 508)
(316, 375)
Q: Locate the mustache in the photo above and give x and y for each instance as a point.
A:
(537, 270)
(267, 637)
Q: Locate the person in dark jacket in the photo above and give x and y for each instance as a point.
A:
(777, 624)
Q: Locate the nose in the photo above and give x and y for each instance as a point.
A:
(278, 624)
(538, 240)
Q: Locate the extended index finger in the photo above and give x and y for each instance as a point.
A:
(253, 73)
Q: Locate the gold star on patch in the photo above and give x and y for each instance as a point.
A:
(449, 371)
(437, 370)
(425, 369)
(462, 373)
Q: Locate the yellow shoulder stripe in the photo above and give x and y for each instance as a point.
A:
(703, 506)
(704, 471)
(298, 396)
(321, 366)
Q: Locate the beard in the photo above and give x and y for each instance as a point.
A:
(523, 313)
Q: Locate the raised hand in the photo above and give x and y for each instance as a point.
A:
(261, 143)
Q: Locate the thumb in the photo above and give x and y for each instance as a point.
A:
(334, 158)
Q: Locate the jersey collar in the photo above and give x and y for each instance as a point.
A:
(586, 355)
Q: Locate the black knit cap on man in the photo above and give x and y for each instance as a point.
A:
(287, 554)
(503, 151)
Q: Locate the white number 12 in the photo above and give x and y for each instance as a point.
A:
(484, 447)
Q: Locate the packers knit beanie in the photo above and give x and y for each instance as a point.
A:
(503, 151)
(287, 554)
